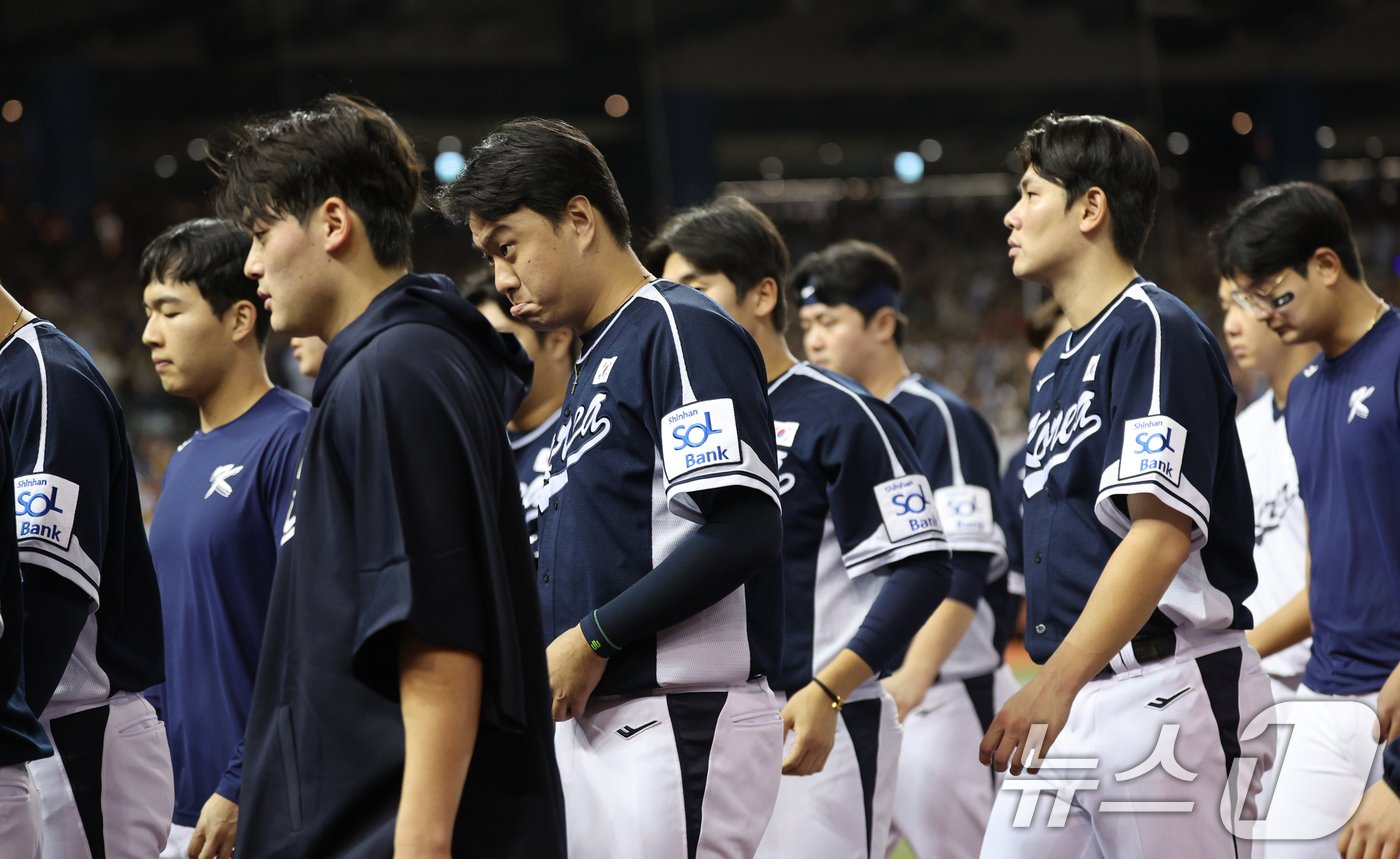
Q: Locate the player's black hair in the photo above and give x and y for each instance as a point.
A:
(847, 272)
(729, 236)
(342, 146)
(1282, 226)
(1081, 152)
(1041, 322)
(209, 253)
(536, 164)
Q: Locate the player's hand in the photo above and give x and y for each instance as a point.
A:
(1388, 708)
(1040, 702)
(574, 672)
(907, 689)
(810, 717)
(1374, 831)
(216, 830)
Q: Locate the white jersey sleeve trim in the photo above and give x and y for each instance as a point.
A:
(73, 564)
(1184, 499)
(680, 502)
(860, 561)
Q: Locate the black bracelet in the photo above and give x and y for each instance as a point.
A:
(836, 700)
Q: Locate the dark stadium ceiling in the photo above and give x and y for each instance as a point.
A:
(765, 78)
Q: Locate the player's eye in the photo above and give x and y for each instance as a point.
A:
(506, 249)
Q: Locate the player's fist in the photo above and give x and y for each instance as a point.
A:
(811, 718)
(1375, 828)
(216, 830)
(1021, 734)
(574, 672)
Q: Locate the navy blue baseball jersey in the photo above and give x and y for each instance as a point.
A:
(1343, 421)
(405, 517)
(77, 511)
(1138, 400)
(667, 401)
(214, 540)
(854, 501)
(21, 737)
(531, 451)
(959, 454)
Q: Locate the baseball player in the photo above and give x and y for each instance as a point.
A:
(22, 739)
(92, 640)
(401, 695)
(660, 531)
(1280, 525)
(533, 424)
(952, 679)
(1289, 250)
(1137, 543)
(216, 526)
(864, 564)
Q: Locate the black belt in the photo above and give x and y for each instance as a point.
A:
(1151, 648)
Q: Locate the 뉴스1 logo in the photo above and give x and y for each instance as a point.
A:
(44, 508)
(700, 435)
(904, 506)
(1152, 445)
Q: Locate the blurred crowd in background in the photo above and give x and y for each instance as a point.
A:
(966, 311)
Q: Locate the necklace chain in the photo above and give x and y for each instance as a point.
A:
(15, 324)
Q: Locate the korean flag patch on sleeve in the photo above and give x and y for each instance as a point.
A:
(1152, 445)
(906, 506)
(964, 511)
(44, 508)
(700, 435)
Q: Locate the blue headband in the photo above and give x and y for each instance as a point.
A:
(870, 299)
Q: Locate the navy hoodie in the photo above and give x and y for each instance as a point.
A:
(406, 512)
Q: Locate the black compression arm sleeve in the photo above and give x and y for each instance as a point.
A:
(55, 612)
(742, 532)
(969, 576)
(915, 587)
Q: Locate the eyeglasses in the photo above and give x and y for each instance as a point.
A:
(1262, 300)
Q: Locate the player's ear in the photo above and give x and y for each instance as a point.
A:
(883, 324)
(333, 224)
(581, 221)
(1327, 265)
(1093, 210)
(762, 297)
(241, 318)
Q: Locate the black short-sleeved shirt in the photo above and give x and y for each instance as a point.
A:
(406, 511)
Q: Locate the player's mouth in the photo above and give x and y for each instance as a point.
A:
(162, 364)
(1012, 248)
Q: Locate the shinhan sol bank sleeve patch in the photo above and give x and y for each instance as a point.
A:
(964, 511)
(906, 506)
(1152, 445)
(44, 508)
(699, 435)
